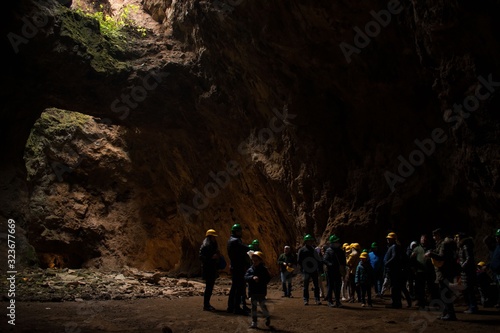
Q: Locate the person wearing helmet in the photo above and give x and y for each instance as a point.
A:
(393, 265)
(495, 265)
(352, 264)
(286, 262)
(256, 245)
(377, 263)
(444, 265)
(364, 279)
(237, 253)
(335, 261)
(485, 285)
(209, 255)
(310, 266)
(258, 277)
(345, 289)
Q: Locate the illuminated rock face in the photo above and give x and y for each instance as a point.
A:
(288, 118)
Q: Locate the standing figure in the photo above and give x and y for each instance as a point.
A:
(495, 265)
(393, 267)
(405, 275)
(320, 251)
(485, 285)
(287, 262)
(209, 256)
(335, 261)
(310, 266)
(258, 277)
(411, 269)
(419, 265)
(364, 279)
(345, 278)
(468, 275)
(377, 263)
(352, 264)
(237, 252)
(444, 260)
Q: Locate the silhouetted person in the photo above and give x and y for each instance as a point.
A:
(309, 263)
(377, 263)
(237, 252)
(444, 263)
(286, 262)
(468, 275)
(335, 261)
(393, 267)
(209, 256)
(495, 265)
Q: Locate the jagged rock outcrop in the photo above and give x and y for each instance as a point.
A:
(286, 117)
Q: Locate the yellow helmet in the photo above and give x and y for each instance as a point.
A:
(481, 263)
(391, 235)
(258, 254)
(345, 246)
(356, 246)
(363, 255)
(211, 232)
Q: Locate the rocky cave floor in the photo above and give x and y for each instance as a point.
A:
(84, 300)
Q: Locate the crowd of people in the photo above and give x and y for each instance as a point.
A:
(431, 273)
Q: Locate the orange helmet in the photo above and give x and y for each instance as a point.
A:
(258, 254)
(391, 235)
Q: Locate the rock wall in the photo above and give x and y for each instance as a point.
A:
(287, 117)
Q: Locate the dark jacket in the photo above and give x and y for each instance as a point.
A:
(309, 260)
(209, 265)
(466, 255)
(289, 259)
(333, 258)
(495, 260)
(257, 288)
(393, 259)
(364, 273)
(237, 252)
